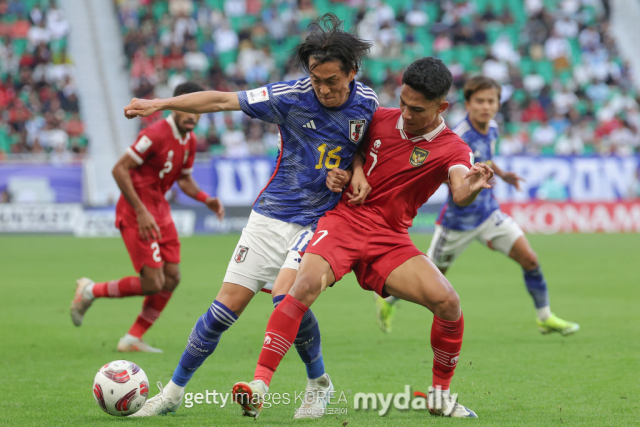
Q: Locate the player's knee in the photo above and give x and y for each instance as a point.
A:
(447, 306)
(152, 283)
(171, 281)
(529, 261)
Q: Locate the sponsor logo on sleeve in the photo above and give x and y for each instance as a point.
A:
(257, 95)
(143, 144)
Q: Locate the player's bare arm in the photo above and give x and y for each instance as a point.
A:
(511, 178)
(360, 188)
(147, 225)
(210, 101)
(190, 187)
(465, 186)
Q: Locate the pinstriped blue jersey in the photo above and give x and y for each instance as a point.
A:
(469, 217)
(313, 140)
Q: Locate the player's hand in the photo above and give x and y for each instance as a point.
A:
(479, 176)
(140, 107)
(148, 227)
(214, 204)
(337, 179)
(360, 188)
(513, 179)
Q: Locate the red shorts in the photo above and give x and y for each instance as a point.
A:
(151, 253)
(371, 253)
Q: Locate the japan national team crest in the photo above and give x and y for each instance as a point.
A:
(418, 156)
(241, 254)
(356, 130)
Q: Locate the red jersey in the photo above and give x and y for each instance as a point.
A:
(403, 170)
(163, 156)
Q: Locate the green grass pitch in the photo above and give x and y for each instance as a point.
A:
(508, 373)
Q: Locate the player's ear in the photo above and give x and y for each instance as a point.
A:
(443, 107)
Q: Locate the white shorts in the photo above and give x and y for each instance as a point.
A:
(498, 232)
(265, 247)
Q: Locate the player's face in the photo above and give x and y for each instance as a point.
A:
(483, 106)
(420, 115)
(330, 83)
(186, 122)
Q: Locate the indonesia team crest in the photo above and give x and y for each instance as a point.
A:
(418, 156)
(241, 254)
(356, 130)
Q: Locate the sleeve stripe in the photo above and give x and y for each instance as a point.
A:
(134, 156)
(456, 167)
(187, 171)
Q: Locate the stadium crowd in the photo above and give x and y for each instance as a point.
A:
(566, 89)
(39, 110)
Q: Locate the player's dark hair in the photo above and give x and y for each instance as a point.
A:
(478, 83)
(187, 87)
(430, 77)
(327, 41)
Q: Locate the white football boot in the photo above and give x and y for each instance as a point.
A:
(159, 404)
(82, 300)
(316, 397)
(250, 396)
(445, 404)
(131, 344)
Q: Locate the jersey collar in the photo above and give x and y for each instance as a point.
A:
(176, 132)
(427, 136)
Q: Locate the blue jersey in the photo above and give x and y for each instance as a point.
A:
(313, 140)
(469, 217)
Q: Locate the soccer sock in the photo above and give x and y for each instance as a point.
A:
(124, 287)
(308, 342)
(446, 342)
(537, 287)
(391, 300)
(282, 328)
(203, 341)
(152, 306)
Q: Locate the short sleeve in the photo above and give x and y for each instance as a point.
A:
(462, 158)
(187, 168)
(142, 148)
(271, 103)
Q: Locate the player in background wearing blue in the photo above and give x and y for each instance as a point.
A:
(322, 119)
(458, 226)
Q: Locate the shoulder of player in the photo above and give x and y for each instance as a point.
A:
(453, 140)
(384, 113)
(292, 88)
(366, 92)
(462, 128)
(157, 130)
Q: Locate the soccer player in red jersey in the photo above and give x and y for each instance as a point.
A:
(409, 153)
(162, 155)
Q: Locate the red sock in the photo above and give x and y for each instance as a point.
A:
(152, 306)
(281, 331)
(125, 287)
(446, 341)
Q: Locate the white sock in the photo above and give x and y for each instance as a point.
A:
(391, 300)
(173, 391)
(543, 313)
(87, 293)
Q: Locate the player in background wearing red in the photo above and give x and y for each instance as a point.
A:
(162, 155)
(409, 153)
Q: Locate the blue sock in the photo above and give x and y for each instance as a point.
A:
(537, 287)
(308, 342)
(203, 341)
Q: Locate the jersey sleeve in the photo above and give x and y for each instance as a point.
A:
(270, 103)
(461, 158)
(143, 148)
(187, 168)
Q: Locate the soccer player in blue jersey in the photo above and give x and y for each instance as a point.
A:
(322, 119)
(458, 226)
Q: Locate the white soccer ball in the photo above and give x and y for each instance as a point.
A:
(120, 388)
